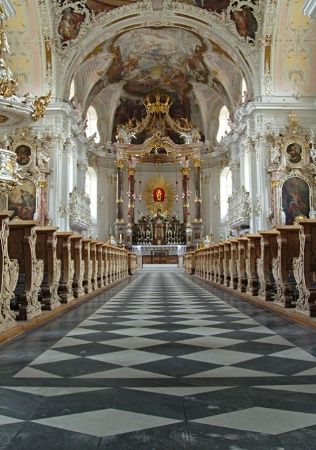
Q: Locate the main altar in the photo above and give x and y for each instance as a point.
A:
(154, 140)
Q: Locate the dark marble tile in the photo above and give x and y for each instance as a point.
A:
(154, 404)
(217, 402)
(171, 437)
(285, 400)
(303, 439)
(62, 405)
(34, 436)
(74, 367)
(272, 364)
(19, 405)
(175, 367)
(207, 437)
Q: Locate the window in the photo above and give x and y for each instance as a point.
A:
(92, 124)
(226, 187)
(223, 123)
(92, 191)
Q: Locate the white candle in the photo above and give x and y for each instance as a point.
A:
(120, 236)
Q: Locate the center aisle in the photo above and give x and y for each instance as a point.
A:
(164, 364)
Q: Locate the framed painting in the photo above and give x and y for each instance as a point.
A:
(294, 152)
(22, 200)
(23, 154)
(295, 198)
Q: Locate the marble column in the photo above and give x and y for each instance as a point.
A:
(197, 167)
(119, 192)
(185, 202)
(131, 200)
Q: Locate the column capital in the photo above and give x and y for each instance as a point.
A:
(185, 171)
(197, 162)
(119, 163)
(131, 171)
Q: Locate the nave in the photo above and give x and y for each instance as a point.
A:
(161, 361)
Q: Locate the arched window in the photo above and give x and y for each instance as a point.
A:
(92, 124)
(72, 90)
(223, 123)
(226, 187)
(92, 191)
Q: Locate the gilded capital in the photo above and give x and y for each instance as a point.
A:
(197, 162)
(119, 163)
(185, 171)
(131, 171)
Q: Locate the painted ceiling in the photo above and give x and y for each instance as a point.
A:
(197, 72)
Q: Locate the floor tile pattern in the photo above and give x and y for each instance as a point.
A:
(160, 362)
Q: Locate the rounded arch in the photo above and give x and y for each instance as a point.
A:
(230, 43)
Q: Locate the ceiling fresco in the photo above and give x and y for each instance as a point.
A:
(149, 59)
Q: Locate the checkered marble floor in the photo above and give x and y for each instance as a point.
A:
(160, 362)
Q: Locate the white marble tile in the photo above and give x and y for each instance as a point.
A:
(261, 420)
(232, 372)
(69, 342)
(123, 372)
(5, 420)
(52, 356)
(276, 339)
(128, 357)
(204, 331)
(301, 388)
(106, 422)
(220, 356)
(295, 353)
(29, 372)
(133, 342)
(136, 331)
(183, 391)
(212, 341)
(52, 391)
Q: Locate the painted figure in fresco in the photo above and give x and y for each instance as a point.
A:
(245, 21)
(294, 151)
(23, 155)
(70, 23)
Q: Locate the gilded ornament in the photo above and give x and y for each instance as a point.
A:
(158, 195)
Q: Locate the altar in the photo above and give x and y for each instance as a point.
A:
(159, 254)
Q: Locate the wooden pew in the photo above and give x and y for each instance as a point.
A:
(21, 246)
(253, 254)
(241, 263)
(226, 263)
(87, 273)
(76, 255)
(46, 244)
(67, 266)
(100, 276)
(282, 266)
(305, 268)
(9, 272)
(269, 251)
(233, 284)
(94, 263)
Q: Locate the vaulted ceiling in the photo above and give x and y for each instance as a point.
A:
(197, 53)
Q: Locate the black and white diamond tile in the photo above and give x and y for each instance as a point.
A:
(163, 362)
